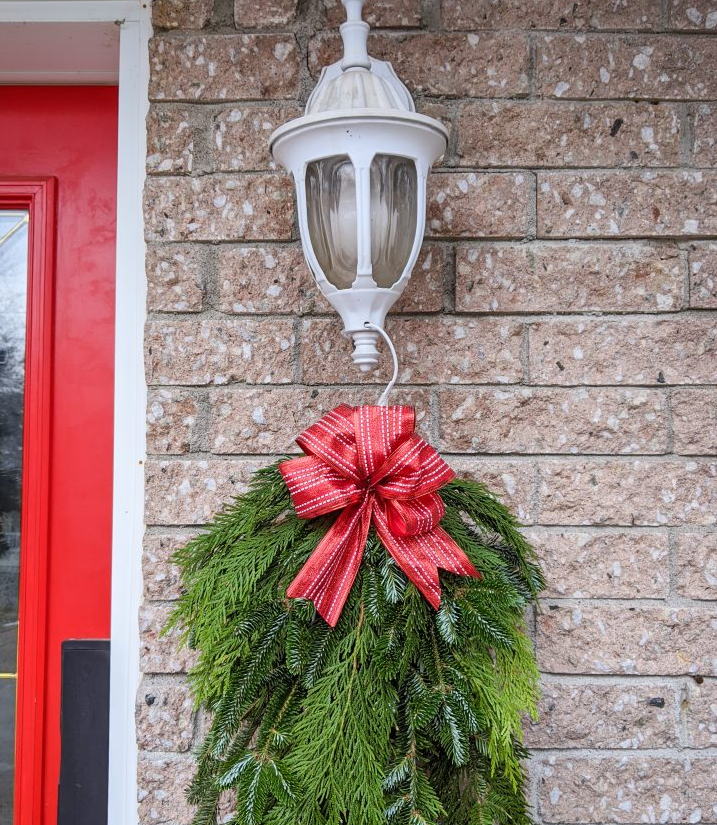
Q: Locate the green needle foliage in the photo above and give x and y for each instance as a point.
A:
(400, 715)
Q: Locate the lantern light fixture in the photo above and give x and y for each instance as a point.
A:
(360, 156)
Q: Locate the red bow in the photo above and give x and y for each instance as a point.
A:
(368, 461)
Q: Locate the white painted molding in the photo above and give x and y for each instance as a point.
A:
(134, 19)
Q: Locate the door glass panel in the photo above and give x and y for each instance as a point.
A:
(13, 295)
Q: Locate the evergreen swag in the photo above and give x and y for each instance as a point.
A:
(400, 715)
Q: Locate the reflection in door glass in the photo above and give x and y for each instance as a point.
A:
(13, 294)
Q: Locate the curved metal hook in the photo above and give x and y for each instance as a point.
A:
(383, 399)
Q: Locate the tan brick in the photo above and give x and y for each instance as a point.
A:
(474, 205)
(251, 350)
(171, 421)
(179, 14)
(584, 564)
(441, 350)
(493, 64)
(224, 67)
(264, 279)
(268, 420)
(241, 207)
(635, 492)
(703, 275)
(241, 136)
(165, 716)
(696, 568)
(704, 141)
(170, 141)
(162, 579)
(191, 492)
(162, 784)
(563, 133)
(511, 481)
(627, 351)
(524, 420)
(175, 281)
(694, 14)
(614, 66)
(158, 652)
(645, 641)
(424, 292)
(702, 715)
(694, 417)
(403, 14)
(595, 715)
(627, 204)
(574, 277)
(627, 789)
(248, 14)
(550, 14)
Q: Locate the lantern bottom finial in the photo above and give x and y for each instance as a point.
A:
(365, 354)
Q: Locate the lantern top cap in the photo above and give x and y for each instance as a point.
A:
(358, 81)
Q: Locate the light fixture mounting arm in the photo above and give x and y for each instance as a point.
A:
(354, 33)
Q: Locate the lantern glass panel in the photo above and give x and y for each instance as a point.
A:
(331, 212)
(394, 216)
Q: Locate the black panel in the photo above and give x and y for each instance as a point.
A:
(85, 732)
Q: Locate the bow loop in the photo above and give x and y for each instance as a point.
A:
(368, 462)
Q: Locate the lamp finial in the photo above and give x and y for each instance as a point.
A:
(354, 33)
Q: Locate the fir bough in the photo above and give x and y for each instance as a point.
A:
(399, 715)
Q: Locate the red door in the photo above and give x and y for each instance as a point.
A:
(58, 161)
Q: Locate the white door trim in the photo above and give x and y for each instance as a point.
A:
(134, 18)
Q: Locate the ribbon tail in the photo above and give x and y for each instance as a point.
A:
(329, 573)
(420, 557)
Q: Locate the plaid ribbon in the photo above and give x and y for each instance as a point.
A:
(368, 462)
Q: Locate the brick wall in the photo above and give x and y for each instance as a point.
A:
(558, 338)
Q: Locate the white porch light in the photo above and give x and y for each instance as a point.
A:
(360, 157)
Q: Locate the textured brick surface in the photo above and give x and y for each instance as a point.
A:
(181, 14)
(550, 14)
(645, 351)
(561, 133)
(693, 14)
(627, 204)
(191, 491)
(595, 715)
(161, 578)
(553, 421)
(628, 789)
(703, 275)
(601, 66)
(170, 141)
(470, 205)
(241, 136)
(629, 492)
(223, 67)
(258, 351)
(160, 653)
(250, 14)
(550, 277)
(638, 640)
(697, 565)
(250, 207)
(614, 564)
(175, 278)
(268, 420)
(694, 416)
(557, 338)
(444, 350)
(171, 421)
(476, 64)
(702, 715)
(165, 716)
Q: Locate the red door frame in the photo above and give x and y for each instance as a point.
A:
(38, 196)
